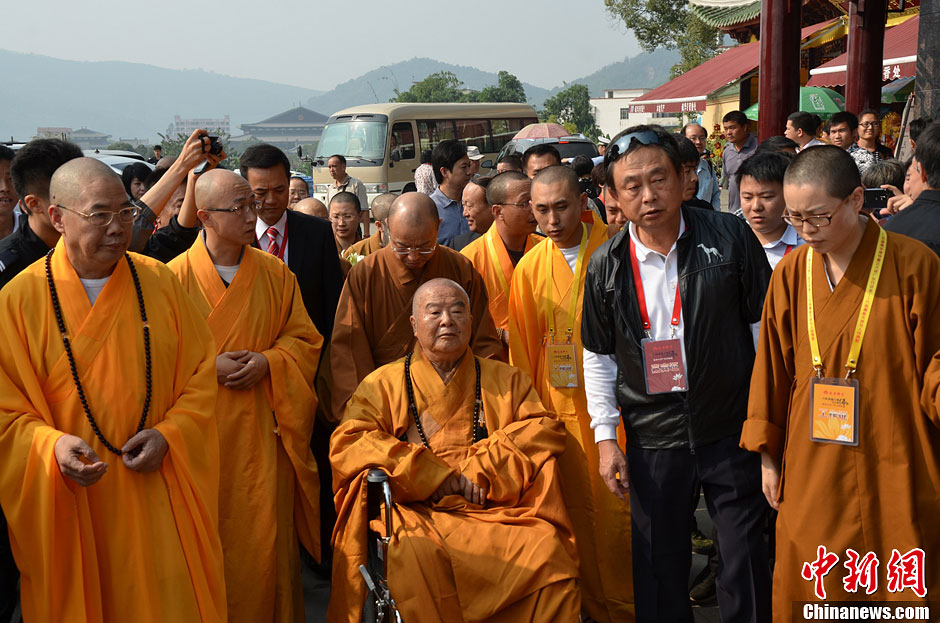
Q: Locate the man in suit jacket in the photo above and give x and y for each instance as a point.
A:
(306, 244)
(308, 250)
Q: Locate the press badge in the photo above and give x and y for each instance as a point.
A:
(662, 366)
(562, 365)
(834, 410)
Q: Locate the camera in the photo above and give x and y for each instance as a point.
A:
(215, 145)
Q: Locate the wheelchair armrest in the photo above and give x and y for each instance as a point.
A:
(379, 491)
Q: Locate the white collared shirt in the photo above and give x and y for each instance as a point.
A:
(281, 226)
(776, 250)
(660, 275)
(811, 143)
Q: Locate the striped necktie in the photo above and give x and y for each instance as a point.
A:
(273, 247)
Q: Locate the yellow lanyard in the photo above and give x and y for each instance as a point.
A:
(863, 315)
(575, 282)
(498, 266)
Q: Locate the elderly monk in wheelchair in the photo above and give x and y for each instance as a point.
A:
(479, 530)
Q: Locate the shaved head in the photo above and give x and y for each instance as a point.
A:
(211, 185)
(558, 173)
(69, 180)
(435, 287)
(441, 320)
(413, 209)
(312, 207)
(381, 206)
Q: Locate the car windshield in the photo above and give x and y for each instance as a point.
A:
(362, 142)
(570, 150)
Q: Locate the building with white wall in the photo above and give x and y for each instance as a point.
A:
(612, 112)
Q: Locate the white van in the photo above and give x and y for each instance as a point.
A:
(383, 143)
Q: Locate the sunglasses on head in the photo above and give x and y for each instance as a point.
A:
(628, 142)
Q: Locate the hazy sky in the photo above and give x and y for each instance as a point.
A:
(318, 44)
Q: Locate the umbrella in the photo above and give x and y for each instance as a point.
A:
(897, 90)
(818, 100)
(542, 130)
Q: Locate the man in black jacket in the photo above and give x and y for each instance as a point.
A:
(669, 304)
(921, 219)
(308, 250)
(306, 244)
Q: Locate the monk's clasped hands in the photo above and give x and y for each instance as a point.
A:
(458, 484)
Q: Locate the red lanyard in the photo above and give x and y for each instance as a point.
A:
(787, 252)
(641, 296)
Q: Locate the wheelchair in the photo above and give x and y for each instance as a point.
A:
(379, 606)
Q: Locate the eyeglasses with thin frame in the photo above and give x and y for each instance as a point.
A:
(104, 218)
(868, 124)
(406, 251)
(239, 209)
(816, 220)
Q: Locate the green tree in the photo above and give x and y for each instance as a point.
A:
(507, 89)
(671, 25)
(443, 86)
(572, 109)
(120, 145)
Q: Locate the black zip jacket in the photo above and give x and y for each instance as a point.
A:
(722, 295)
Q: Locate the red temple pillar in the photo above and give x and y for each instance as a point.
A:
(779, 86)
(866, 53)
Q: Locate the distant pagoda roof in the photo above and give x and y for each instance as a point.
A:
(292, 117)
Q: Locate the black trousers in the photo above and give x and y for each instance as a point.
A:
(661, 484)
(9, 575)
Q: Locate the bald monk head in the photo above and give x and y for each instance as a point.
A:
(312, 207)
(412, 229)
(92, 212)
(440, 318)
(228, 211)
(380, 208)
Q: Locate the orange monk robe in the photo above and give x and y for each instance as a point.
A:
(367, 246)
(512, 559)
(270, 490)
(480, 252)
(882, 494)
(140, 543)
(373, 325)
(601, 521)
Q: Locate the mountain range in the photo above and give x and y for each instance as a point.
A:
(132, 100)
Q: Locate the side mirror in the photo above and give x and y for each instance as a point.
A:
(487, 164)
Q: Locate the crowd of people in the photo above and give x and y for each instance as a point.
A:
(551, 362)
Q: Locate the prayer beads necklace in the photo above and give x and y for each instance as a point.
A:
(479, 431)
(68, 351)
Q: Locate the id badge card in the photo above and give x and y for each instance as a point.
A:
(662, 366)
(562, 365)
(834, 410)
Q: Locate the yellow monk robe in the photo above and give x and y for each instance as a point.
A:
(141, 546)
(490, 258)
(882, 494)
(601, 521)
(270, 490)
(365, 247)
(373, 325)
(513, 559)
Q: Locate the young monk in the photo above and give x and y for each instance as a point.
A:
(267, 355)
(844, 414)
(545, 342)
